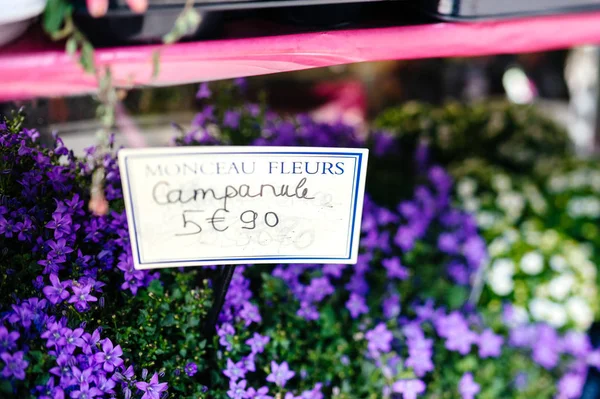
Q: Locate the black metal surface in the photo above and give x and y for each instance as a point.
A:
(475, 10)
(118, 8)
(121, 26)
(220, 291)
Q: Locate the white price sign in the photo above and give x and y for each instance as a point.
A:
(195, 206)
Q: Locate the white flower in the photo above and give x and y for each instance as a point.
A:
(580, 311)
(466, 187)
(576, 254)
(578, 179)
(500, 276)
(501, 285)
(558, 183)
(535, 198)
(549, 240)
(533, 237)
(595, 180)
(557, 317)
(519, 315)
(511, 202)
(486, 219)
(560, 286)
(558, 263)
(532, 263)
(545, 310)
(471, 205)
(539, 308)
(511, 235)
(498, 247)
(583, 207)
(501, 182)
(504, 266)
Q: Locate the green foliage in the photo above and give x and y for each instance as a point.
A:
(511, 136)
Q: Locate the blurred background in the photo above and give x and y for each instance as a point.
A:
(562, 84)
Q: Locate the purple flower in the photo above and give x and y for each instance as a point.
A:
(425, 311)
(53, 334)
(459, 272)
(24, 228)
(405, 238)
(419, 350)
(81, 376)
(467, 386)
(570, 386)
(109, 357)
(203, 91)
(237, 390)
(128, 373)
(546, 348)
(63, 369)
(231, 119)
(152, 389)
(379, 340)
(57, 292)
(356, 305)
(191, 369)
(61, 224)
(50, 391)
(90, 341)
(224, 332)
(490, 344)
(318, 289)
(391, 306)
(314, 393)
(22, 313)
(8, 340)
(204, 116)
(7, 227)
(15, 365)
(358, 284)
(240, 83)
(409, 389)
(248, 362)
(308, 311)
(475, 250)
(395, 269)
(257, 343)
(70, 339)
(85, 392)
(81, 296)
(448, 243)
(522, 336)
(545, 355)
(59, 250)
(574, 342)
(250, 314)
(334, 270)
(235, 371)
(104, 384)
(280, 374)
(261, 393)
(455, 329)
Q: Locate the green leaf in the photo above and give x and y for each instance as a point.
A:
(54, 15)
(6, 387)
(168, 321)
(71, 46)
(87, 58)
(155, 64)
(156, 288)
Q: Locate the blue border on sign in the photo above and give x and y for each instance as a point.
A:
(355, 189)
